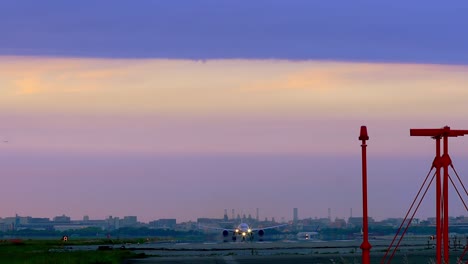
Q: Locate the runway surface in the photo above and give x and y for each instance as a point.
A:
(416, 250)
(238, 260)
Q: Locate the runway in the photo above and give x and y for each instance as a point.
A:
(239, 260)
(414, 250)
(296, 259)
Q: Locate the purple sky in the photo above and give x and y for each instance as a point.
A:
(397, 31)
(186, 108)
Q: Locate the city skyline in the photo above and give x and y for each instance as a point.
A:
(162, 109)
(238, 218)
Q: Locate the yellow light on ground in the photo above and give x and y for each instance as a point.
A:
(243, 234)
(250, 230)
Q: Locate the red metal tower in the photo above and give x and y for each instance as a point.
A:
(365, 246)
(444, 161)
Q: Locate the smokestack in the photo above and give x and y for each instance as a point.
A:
(257, 216)
(233, 215)
(329, 214)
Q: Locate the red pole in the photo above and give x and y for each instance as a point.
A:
(365, 246)
(445, 221)
(437, 165)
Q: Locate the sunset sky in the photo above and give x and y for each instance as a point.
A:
(181, 109)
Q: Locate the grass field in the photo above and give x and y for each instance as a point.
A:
(50, 252)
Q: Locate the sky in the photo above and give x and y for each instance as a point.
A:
(181, 109)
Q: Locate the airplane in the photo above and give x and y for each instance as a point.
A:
(308, 235)
(244, 231)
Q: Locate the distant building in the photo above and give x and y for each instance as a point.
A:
(11, 222)
(205, 220)
(113, 223)
(4, 227)
(185, 226)
(62, 228)
(21, 220)
(310, 224)
(37, 223)
(128, 221)
(431, 220)
(225, 215)
(357, 221)
(338, 223)
(163, 223)
(38, 220)
(62, 219)
(295, 215)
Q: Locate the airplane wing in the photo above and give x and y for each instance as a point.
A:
(269, 227)
(216, 228)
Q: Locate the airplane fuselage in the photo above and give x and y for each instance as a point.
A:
(243, 230)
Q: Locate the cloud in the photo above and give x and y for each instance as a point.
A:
(231, 87)
(330, 75)
(56, 76)
(27, 86)
(315, 80)
(366, 31)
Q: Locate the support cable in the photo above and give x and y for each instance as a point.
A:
(455, 187)
(463, 254)
(461, 198)
(406, 216)
(459, 179)
(412, 216)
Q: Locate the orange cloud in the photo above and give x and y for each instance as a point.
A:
(319, 76)
(310, 80)
(27, 86)
(230, 87)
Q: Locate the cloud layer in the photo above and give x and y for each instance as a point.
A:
(220, 106)
(419, 31)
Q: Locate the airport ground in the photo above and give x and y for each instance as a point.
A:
(416, 250)
(296, 259)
